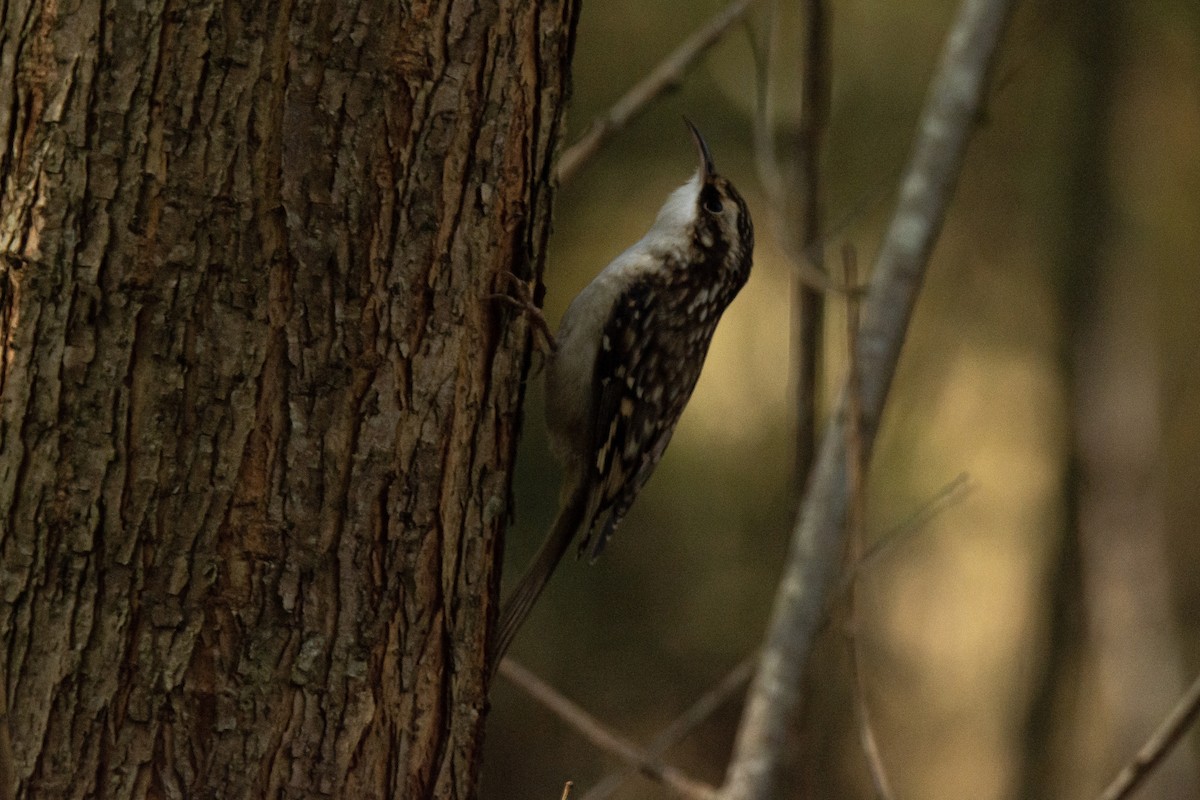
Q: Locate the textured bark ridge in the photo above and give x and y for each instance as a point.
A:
(257, 416)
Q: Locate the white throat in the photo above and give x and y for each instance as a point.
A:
(679, 212)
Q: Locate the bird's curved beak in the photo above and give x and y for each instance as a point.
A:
(707, 170)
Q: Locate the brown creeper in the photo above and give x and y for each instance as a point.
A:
(628, 354)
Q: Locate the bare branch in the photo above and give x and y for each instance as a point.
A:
(667, 75)
(866, 731)
(805, 250)
(856, 488)
(566, 795)
(953, 492)
(856, 456)
(766, 161)
(951, 109)
(1158, 747)
(595, 732)
(808, 302)
(683, 725)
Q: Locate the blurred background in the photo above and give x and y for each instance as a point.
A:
(1025, 641)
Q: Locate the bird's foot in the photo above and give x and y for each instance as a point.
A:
(523, 301)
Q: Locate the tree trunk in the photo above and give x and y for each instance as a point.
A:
(257, 412)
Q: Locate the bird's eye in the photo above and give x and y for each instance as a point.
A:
(713, 205)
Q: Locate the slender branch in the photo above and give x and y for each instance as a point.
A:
(856, 478)
(804, 251)
(766, 160)
(874, 554)
(1158, 747)
(862, 714)
(808, 302)
(566, 795)
(595, 732)
(798, 201)
(866, 730)
(948, 495)
(951, 109)
(683, 725)
(667, 75)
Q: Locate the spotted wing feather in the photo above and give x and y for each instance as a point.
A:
(644, 380)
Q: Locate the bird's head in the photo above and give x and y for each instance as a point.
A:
(709, 214)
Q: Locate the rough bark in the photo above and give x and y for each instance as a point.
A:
(257, 414)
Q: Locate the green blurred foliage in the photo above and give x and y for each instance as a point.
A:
(954, 624)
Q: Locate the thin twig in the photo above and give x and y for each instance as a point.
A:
(856, 480)
(566, 795)
(866, 731)
(953, 492)
(805, 253)
(1158, 746)
(766, 160)
(808, 302)
(683, 725)
(594, 731)
(667, 75)
(818, 541)
(855, 456)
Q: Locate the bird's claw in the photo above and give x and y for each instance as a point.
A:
(524, 303)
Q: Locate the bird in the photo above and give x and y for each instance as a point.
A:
(625, 361)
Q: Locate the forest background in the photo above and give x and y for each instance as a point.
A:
(1025, 640)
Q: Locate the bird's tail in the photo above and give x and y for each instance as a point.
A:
(570, 518)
